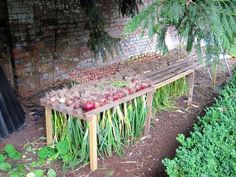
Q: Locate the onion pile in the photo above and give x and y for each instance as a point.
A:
(97, 73)
(91, 74)
(88, 98)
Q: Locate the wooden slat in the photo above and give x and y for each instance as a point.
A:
(93, 142)
(172, 79)
(149, 113)
(176, 73)
(191, 86)
(214, 75)
(49, 131)
(166, 72)
(169, 73)
(163, 69)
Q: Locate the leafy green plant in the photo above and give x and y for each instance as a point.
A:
(210, 149)
(18, 171)
(62, 147)
(2, 158)
(5, 166)
(36, 173)
(51, 173)
(46, 152)
(11, 164)
(12, 152)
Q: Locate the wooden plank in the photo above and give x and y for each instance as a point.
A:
(191, 86)
(163, 69)
(117, 102)
(172, 74)
(49, 131)
(166, 72)
(149, 113)
(160, 78)
(172, 79)
(63, 108)
(93, 143)
(214, 73)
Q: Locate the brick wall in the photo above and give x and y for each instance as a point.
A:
(51, 41)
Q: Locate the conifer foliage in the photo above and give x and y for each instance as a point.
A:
(211, 21)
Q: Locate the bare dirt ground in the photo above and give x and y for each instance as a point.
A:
(144, 158)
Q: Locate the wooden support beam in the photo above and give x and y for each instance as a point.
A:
(49, 131)
(191, 86)
(149, 113)
(214, 77)
(117, 102)
(93, 143)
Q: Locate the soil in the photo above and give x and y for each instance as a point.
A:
(144, 158)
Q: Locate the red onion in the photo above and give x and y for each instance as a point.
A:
(115, 96)
(77, 105)
(88, 106)
(69, 102)
(128, 90)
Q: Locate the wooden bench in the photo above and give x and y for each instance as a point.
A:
(159, 79)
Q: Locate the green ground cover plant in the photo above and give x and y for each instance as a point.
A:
(210, 150)
(11, 164)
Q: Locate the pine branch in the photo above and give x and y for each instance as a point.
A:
(212, 21)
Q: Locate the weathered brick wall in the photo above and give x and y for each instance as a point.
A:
(51, 41)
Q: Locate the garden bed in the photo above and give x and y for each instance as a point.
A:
(210, 148)
(139, 158)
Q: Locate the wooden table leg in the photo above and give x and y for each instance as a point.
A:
(149, 113)
(93, 143)
(191, 86)
(214, 77)
(49, 134)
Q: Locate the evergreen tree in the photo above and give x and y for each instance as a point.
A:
(211, 21)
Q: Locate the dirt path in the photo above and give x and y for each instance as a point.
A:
(143, 158)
